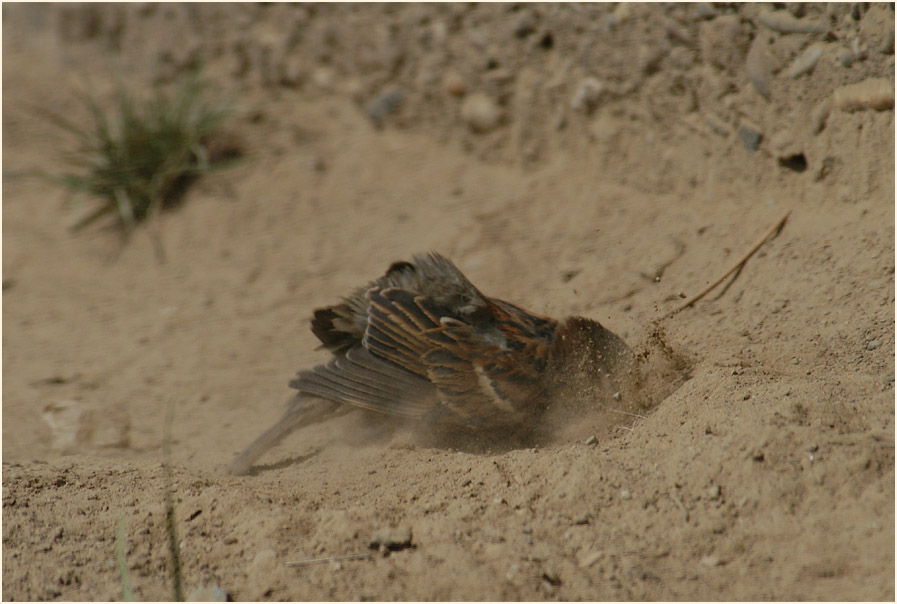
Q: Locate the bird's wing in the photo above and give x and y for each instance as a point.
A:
(417, 361)
(472, 367)
(359, 378)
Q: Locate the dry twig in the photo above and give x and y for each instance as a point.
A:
(679, 503)
(639, 415)
(327, 559)
(770, 234)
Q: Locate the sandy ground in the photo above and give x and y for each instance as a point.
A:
(585, 160)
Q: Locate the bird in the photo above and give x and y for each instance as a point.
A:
(423, 343)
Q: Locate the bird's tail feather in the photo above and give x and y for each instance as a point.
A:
(303, 411)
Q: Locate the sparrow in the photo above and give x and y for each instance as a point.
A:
(423, 343)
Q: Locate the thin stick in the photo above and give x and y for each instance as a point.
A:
(770, 234)
(628, 413)
(174, 548)
(328, 559)
(681, 505)
(120, 547)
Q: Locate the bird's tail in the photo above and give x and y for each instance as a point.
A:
(303, 410)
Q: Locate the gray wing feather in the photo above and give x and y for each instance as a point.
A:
(359, 378)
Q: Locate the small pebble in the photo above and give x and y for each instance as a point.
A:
(859, 52)
(750, 138)
(717, 124)
(875, 93)
(819, 115)
(592, 440)
(616, 396)
(590, 558)
(68, 421)
(781, 141)
(262, 558)
(480, 113)
(681, 58)
(887, 44)
(760, 66)
(323, 78)
(624, 494)
(76, 424)
(512, 573)
(524, 26)
(705, 10)
(587, 95)
(723, 42)
(620, 15)
(807, 60)
(384, 105)
(649, 58)
(52, 591)
(259, 574)
(582, 519)
(713, 492)
(391, 538)
(454, 84)
(710, 561)
(845, 57)
(783, 22)
(560, 120)
(292, 73)
(551, 576)
(676, 33)
(872, 344)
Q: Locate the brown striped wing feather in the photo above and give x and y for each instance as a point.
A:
(418, 361)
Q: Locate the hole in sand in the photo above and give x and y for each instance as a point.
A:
(796, 162)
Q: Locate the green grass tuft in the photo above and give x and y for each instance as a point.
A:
(143, 158)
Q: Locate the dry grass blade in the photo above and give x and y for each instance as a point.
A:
(123, 576)
(640, 416)
(770, 234)
(174, 547)
(678, 501)
(308, 561)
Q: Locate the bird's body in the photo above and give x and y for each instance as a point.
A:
(423, 343)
